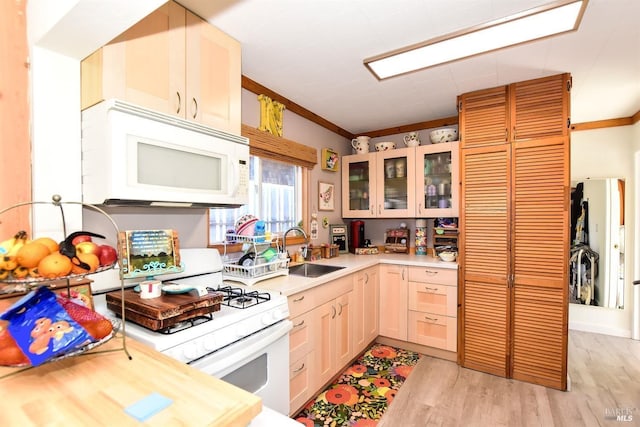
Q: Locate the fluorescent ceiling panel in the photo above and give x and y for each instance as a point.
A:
(533, 24)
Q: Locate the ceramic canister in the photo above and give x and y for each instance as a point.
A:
(421, 236)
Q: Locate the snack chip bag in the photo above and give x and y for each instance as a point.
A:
(41, 328)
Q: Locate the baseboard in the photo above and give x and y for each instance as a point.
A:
(418, 348)
(599, 329)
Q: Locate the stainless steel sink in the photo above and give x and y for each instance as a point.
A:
(313, 270)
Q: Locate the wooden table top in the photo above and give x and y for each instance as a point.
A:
(95, 388)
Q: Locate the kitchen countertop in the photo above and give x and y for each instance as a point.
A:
(292, 284)
(94, 389)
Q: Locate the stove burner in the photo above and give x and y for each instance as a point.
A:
(239, 298)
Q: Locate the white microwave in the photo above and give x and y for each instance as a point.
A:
(132, 156)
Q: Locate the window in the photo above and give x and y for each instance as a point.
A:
(275, 196)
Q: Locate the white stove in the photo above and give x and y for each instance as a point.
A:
(246, 342)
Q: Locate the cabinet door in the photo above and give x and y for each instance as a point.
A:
(324, 343)
(393, 301)
(344, 321)
(485, 258)
(365, 294)
(145, 65)
(359, 186)
(395, 193)
(213, 76)
(371, 298)
(437, 180)
(484, 117)
(540, 107)
(540, 254)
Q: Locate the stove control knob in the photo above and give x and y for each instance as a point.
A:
(210, 343)
(278, 314)
(267, 319)
(191, 351)
(242, 331)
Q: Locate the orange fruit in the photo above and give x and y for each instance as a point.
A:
(90, 259)
(54, 265)
(30, 254)
(48, 242)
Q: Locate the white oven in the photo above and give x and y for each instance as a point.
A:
(245, 343)
(259, 364)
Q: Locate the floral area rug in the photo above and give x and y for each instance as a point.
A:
(363, 392)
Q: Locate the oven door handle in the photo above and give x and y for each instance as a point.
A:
(219, 363)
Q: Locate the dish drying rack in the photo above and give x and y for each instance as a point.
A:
(259, 267)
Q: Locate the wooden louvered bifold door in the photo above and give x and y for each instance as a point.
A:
(484, 252)
(540, 235)
(540, 107)
(484, 117)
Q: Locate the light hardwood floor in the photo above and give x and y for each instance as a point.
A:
(604, 373)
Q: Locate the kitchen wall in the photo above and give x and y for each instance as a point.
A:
(305, 132)
(601, 153)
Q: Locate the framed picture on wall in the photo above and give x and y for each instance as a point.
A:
(330, 160)
(326, 196)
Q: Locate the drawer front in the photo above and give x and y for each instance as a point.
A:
(301, 336)
(301, 386)
(433, 330)
(442, 276)
(306, 300)
(433, 298)
(301, 302)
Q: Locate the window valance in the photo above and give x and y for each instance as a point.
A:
(265, 145)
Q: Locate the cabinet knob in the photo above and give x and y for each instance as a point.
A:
(179, 103)
(299, 369)
(299, 299)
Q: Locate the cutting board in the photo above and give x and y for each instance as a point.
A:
(164, 311)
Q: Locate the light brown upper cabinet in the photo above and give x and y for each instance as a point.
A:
(174, 62)
(514, 240)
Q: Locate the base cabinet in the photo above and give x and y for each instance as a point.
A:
(321, 341)
(433, 306)
(393, 301)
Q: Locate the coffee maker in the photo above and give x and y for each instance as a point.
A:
(356, 235)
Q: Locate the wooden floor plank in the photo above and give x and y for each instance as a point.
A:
(604, 375)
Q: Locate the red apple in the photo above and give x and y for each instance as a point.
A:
(81, 238)
(88, 248)
(107, 255)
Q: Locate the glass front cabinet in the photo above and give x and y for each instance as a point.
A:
(359, 186)
(396, 194)
(437, 180)
(419, 182)
(379, 185)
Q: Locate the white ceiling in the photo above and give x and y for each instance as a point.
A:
(312, 52)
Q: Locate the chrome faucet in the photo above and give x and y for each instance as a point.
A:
(306, 240)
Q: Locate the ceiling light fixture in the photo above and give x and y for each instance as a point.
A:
(533, 24)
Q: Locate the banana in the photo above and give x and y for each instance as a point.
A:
(20, 240)
(6, 247)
